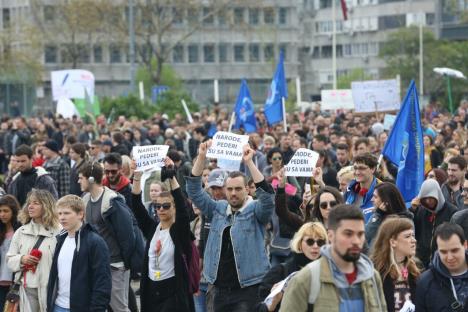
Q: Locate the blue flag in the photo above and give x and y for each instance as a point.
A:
(404, 146)
(278, 89)
(245, 112)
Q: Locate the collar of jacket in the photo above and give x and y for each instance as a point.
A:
(246, 203)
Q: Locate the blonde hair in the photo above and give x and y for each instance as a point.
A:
(314, 229)
(73, 202)
(269, 138)
(346, 172)
(47, 201)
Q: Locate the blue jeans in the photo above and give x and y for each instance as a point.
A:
(60, 309)
(200, 298)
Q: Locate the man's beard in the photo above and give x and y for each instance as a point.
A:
(348, 256)
(454, 181)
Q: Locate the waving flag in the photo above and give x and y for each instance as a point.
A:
(404, 146)
(273, 106)
(245, 112)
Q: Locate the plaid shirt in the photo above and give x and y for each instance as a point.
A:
(59, 170)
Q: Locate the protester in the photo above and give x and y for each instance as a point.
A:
(461, 217)
(114, 179)
(108, 213)
(165, 276)
(438, 174)
(361, 190)
(9, 208)
(58, 169)
(432, 156)
(275, 164)
(343, 277)
(32, 248)
(342, 157)
(233, 285)
(453, 188)
(444, 286)
(305, 247)
(433, 210)
(80, 276)
(95, 151)
(387, 201)
(79, 156)
(155, 189)
(28, 177)
(344, 177)
(393, 256)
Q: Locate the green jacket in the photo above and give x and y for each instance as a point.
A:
(296, 297)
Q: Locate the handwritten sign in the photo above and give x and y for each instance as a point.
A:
(389, 120)
(227, 145)
(302, 163)
(149, 157)
(337, 99)
(375, 95)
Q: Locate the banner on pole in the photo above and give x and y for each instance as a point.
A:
(227, 146)
(302, 163)
(150, 156)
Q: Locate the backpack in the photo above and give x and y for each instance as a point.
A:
(192, 266)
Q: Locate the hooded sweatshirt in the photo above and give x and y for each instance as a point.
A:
(426, 220)
(460, 282)
(351, 296)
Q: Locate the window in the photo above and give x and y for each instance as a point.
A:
(193, 16)
(339, 50)
(178, 54)
(208, 53)
(430, 19)
(97, 54)
(325, 4)
(177, 16)
(50, 54)
(49, 13)
(356, 49)
(193, 53)
(6, 18)
(364, 49)
(392, 21)
(65, 56)
(316, 53)
(269, 16)
(115, 53)
(327, 51)
(222, 18)
(347, 50)
(254, 53)
(239, 16)
(83, 54)
(254, 14)
(373, 48)
(239, 53)
(283, 16)
(268, 52)
(208, 17)
(223, 53)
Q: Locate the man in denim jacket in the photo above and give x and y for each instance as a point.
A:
(235, 259)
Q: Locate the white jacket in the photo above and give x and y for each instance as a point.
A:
(22, 242)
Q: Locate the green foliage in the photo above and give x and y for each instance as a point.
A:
(169, 103)
(357, 74)
(401, 54)
(291, 101)
(129, 106)
(168, 77)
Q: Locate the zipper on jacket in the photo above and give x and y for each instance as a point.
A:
(233, 251)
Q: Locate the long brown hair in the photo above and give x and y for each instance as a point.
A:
(45, 198)
(382, 252)
(11, 202)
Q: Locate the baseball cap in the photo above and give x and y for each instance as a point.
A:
(217, 178)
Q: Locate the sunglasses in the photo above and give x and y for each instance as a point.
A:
(311, 242)
(111, 171)
(164, 206)
(360, 168)
(324, 205)
(277, 158)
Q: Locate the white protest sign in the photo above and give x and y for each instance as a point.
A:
(227, 145)
(389, 120)
(302, 163)
(66, 108)
(72, 84)
(337, 99)
(150, 156)
(376, 95)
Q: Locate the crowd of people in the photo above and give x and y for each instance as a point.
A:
(79, 222)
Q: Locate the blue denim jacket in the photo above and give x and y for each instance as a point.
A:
(247, 233)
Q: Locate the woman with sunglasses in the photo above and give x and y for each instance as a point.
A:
(393, 256)
(275, 164)
(305, 247)
(164, 284)
(324, 200)
(387, 201)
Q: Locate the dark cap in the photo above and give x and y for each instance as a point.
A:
(52, 145)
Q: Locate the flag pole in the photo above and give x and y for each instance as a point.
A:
(231, 123)
(283, 102)
(187, 112)
(449, 91)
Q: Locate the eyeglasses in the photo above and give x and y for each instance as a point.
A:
(164, 206)
(325, 204)
(111, 171)
(360, 168)
(431, 176)
(277, 158)
(311, 242)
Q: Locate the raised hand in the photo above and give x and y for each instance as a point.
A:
(247, 154)
(203, 148)
(281, 178)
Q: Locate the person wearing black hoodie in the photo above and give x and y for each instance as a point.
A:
(444, 287)
(305, 247)
(432, 211)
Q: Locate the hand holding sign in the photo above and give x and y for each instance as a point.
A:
(302, 163)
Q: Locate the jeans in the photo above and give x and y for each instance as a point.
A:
(231, 300)
(60, 309)
(200, 298)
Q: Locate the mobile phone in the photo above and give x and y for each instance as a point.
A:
(307, 187)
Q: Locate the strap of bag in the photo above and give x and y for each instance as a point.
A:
(314, 268)
(36, 246)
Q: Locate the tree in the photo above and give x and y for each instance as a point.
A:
(357, 74)
(401, 54)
